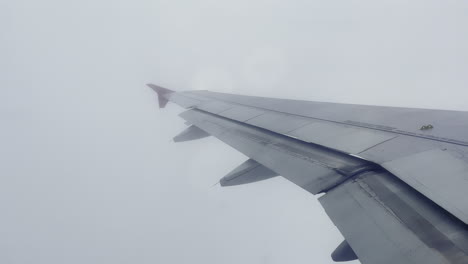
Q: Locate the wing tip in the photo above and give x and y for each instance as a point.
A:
(162, 92)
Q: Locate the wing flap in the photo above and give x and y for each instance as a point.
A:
(386, 222)
(312, 167)
(437, 174)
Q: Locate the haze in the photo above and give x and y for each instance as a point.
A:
(88, 173)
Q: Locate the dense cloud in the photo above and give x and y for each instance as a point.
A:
(88, 173)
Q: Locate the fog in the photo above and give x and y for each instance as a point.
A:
(88, 172)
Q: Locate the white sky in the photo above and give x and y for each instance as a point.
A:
(87, 170)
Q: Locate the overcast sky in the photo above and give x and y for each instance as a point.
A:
(87, 170)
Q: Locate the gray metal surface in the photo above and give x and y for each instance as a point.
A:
(311, 167)
(241, 113)
(344, 253)
(181, 100)
(374, 142)
(438, 175)
(191, 133)
(418, 219)
(196, 97)
(449, 126)
(399, 147)
(214, 107)
(248, 172)
(345, 138)
(284, 116)
(386, 222)
(278, 122)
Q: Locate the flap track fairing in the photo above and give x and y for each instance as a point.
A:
(248, 172)
(191, 133)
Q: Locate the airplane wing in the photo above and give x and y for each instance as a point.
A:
(393, 180)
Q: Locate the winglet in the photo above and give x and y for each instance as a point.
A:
(162, 92)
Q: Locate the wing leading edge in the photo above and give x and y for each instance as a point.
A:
(384, 217)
